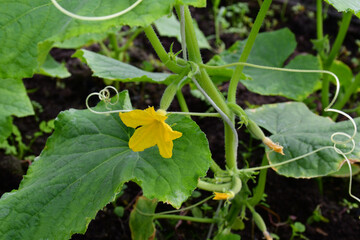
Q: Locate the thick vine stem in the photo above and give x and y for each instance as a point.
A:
(102, 18)
(160, 51)
(211, 90)
(247, 49)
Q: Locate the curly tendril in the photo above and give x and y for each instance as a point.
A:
(101, 18)
(104, 96)
(350, 138)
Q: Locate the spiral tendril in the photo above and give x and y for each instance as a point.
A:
(104, 96)
(350, 138)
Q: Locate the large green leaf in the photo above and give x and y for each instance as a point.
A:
(85, 163)
(273, 49)
(109, 68)
(26, 24)
(14, 101)
(346, 6)
(300, 131)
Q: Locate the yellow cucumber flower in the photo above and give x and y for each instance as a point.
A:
(153, 130)
(223, 196)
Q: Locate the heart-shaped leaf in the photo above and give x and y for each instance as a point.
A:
(273, 49)
(85, 163)
(300, 131)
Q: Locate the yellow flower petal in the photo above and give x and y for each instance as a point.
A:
(143, 138)
(137, 118)
(153, 131)
(170, 134)
(165, 148)
(223, 196)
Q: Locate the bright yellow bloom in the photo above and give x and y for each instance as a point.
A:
(153, 130)
(223, 196)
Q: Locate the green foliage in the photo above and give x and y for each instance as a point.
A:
(346, 6)
(85, 163)
(53, 69)
(273, 49)
(141, 219)
(109, 68)
(300, 131)
(169, 27)
(297, 229)
(317, 216)
(13, 102)
(28, 28)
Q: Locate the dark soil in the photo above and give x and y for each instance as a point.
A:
(289, 200)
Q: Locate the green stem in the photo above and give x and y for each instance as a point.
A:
(212, 187)
(131, 39)
(186, 218)
(209, 87)
(191, 41)
(348, 92)
(248, 46)
(259, 190)
(345, 22)
(215, 167)
(319, 20)
(105, 50)
(182, 101)
(114, 44)
(332, 55)
(160, 51)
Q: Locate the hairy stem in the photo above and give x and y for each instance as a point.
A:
(248, 46)
(160, 51)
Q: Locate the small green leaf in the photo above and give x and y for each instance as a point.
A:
(109, 68)
(346, 6)
(300, 131)
(273, 49)
(170, 27)
(5, 127)
(14, 101)
(52, 68)
(343, 72)
(84, 165)
(141, 219)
